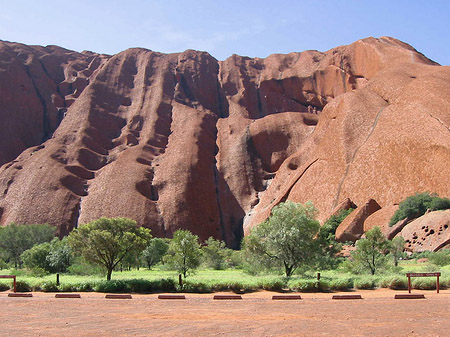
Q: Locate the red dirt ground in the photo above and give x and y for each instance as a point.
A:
(378, 314)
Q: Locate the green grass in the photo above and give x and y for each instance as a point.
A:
(206, 280)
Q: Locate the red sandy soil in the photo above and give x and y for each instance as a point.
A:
(378, 314)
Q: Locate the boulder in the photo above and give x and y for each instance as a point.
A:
(428, 232)
(344, 205)
(352, 228)
(381, 219)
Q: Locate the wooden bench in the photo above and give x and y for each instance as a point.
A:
(409, 275)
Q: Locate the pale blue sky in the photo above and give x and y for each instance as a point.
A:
(223, 28)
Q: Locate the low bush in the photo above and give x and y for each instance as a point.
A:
(272, 284)
(394, 282)
(364, 283)
(424, 283)
(196, 287)
(416, 205)
(85, 286)
(4, 287)
(444, 282)
(440, 258)
(310, 285)
(68, 287)
(112, 286)
(22, 286)
(341, 284)
(146, 286)
(49, 287)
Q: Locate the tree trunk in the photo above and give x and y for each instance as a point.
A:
(288, 270)
(108, 276)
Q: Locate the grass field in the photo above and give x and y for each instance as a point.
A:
(206, 280)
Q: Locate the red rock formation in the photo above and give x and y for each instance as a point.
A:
(184, 141)
(352, 228)
(429, 232)
(381, 219)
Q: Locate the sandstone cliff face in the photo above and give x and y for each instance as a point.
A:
(185, 141)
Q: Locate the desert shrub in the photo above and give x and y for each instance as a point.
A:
(85, 286)
(68, 287)
(22, 286)
(444, 282)
(430, 268)
(49, 287)
(440, 258)
(424, 283)
(140, 286)
(394, 282)
(416, 205)
(112, 286)
(81, 267)
(305, 285)
(341, 284)
(420, 255)
(214, 254)
(272, 284)
(220, 286)
(147, 286)
(233, 258)
(364, 283)
(196, 287)
(4, 287)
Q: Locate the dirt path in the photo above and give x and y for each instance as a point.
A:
(378, 314)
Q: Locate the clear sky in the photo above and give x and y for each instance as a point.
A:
(244, 27)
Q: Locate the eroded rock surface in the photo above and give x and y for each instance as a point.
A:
(352, 228)
(185, 141)
(429, 232)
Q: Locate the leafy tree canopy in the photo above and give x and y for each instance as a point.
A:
(15, 239)
(369, 253)
(287, 239)
(416, 205)
(184, 252)
(154, 252)
(107, 241)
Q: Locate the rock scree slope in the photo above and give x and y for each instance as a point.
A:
(185, 141)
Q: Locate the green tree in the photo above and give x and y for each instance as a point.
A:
(184, 252)
(155, 251)
(416, 205)
(106, 241)
(396, 248)
(35, 258)
(60, 256)
(369, 253)
(15, 239)
(327, 239)
(215, 254)
(287, 239)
